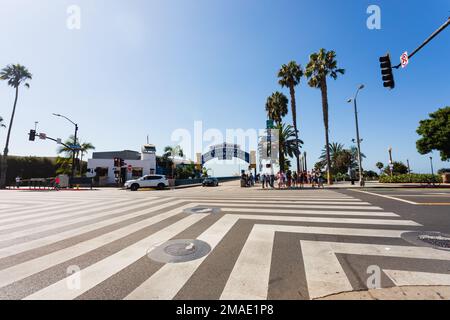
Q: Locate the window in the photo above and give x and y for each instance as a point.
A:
(137, 173)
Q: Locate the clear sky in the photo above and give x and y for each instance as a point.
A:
(149, 67)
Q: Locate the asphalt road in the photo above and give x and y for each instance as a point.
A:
(220, 243)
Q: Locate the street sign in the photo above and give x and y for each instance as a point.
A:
(75, 147)
(404, 59)
(58, 141)
(42, 136)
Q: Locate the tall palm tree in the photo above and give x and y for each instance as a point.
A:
(289, 77)
(288, 144)
(16, 75)
(277, 107)
(2, 123)
(321, 65)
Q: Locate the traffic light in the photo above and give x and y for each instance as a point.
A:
(32, 135)
(116, 162)
(122, 163)
(387, 72)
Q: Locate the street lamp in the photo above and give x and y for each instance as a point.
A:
(361, 172)
(74, 142)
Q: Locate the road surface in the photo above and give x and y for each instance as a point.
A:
(256, 244)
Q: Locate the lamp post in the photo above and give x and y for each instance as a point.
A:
(391, 163)
(75, 141)
(358, 140)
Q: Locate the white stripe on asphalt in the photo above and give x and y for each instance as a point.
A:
(96, 213)
(289, 202)
(25, 269)
(311, 212)
(384, 196)
(345, 207)
(98, 272)
(403, 278)
(33, 244)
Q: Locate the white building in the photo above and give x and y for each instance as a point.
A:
(101, 166)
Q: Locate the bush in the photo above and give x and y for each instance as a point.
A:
(413, 178)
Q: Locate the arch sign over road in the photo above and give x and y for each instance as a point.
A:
(226, 151)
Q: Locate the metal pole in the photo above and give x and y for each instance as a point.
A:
(432, 169)
(361, 172)
(391, 162)
(409, 170)
(74, 151)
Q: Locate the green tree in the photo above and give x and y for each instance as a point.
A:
(289, 76)
(15, 75)
(321, 65)
(277, 107)
(380, 166)
(85, 147)
(288, 144)
(435, 134)
(172, 152)
(398, 169)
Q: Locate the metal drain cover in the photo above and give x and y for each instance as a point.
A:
(177, 251)
(436, 240)
(202, 210)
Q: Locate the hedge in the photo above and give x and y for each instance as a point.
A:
(412, 178)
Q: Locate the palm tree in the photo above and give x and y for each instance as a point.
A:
(2, 124)
(173, 152)
(277, 107)
(85, 147)
(16, 75)
(289, 77)
(320, 66)
(288, 144)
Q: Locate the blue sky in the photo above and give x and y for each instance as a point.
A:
(140, 67)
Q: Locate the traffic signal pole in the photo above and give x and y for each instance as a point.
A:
(445, 25)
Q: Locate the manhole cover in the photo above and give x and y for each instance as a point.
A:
(202, 210)
(177, 251)
(431, 239)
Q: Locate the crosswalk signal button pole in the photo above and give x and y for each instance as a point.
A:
(387, 72)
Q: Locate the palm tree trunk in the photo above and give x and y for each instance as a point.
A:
(4, 159)
(324, 90)
(294, 120)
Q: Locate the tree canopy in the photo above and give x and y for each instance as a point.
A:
(435, 134)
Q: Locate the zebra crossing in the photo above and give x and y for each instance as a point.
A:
(268, 244)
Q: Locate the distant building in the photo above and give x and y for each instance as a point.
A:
(137, 164)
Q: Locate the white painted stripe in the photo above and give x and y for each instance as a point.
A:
(311, 212)
(291, 202)
(384, 196)
(96, 213)
(168, 280)
(98, 272)
(403, 278)
(66, 212)
(253, 265)
(33, 210)
(33, 244)
(324, 273)
(28, 268)
(343, 207)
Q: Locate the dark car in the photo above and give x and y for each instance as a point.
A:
(210, 182)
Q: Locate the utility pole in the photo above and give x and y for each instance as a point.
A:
(361, 170)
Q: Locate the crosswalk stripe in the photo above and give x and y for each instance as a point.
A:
(33, 244)
(403, 278)
(311, 212)
(255, 205)
(65, 212)
(20, 271)
(104, 269)
(95, 214)
(294, 202)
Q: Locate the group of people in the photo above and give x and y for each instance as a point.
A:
(247, 179)
(289, 179)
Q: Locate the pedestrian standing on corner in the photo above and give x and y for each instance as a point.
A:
(18, 182)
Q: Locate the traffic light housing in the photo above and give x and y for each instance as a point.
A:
(387, 72)
(32, 135)
(116, 162)
(122, 163)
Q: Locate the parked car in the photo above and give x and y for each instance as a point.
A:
(210, 182)
(151, 181)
